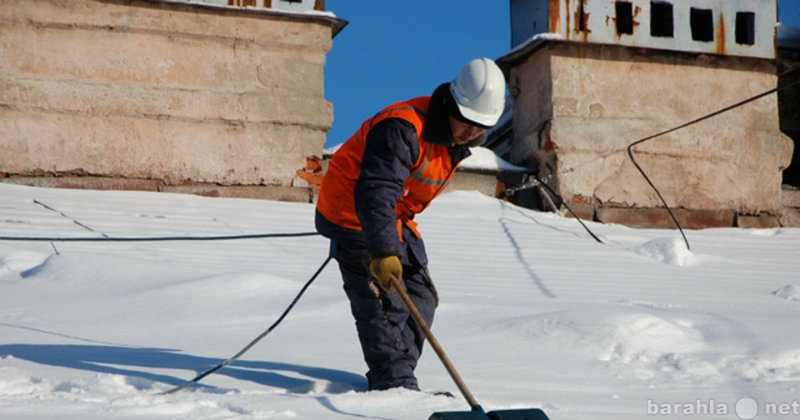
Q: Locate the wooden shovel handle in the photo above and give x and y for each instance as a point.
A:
(448, 365)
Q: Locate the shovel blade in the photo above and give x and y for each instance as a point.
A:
(460, 415)
(518, 414)
(478, 414)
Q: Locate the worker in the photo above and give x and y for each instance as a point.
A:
(391, 169)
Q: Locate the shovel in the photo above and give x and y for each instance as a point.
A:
(476, 412)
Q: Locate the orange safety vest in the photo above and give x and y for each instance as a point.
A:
(430, 174)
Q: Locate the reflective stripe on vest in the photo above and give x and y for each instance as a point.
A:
(418, 174)
(376, 118)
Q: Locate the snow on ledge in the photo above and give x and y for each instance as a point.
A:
(212, 5)
(481, 160)
(536, 38)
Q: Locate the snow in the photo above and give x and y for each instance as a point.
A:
(483, 159)
(290, 8)
(533, 313)
(329, 151)
(548, 36)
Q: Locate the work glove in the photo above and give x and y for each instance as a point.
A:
(384, 268)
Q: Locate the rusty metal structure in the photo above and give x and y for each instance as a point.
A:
(729, 27)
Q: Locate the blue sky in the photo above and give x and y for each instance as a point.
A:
(394, 50)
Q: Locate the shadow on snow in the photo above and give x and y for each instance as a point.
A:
(138, 362)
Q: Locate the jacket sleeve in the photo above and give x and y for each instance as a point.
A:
(391, 149)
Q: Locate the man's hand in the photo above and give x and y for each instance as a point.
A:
(384, 268)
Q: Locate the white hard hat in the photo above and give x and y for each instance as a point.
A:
(480, 91)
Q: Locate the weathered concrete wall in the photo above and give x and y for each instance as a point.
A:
(602, 98)
(151, 90)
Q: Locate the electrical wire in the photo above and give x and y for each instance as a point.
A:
(543, 189)
(574, 215)
(687, 124)
(106, 238)
(198, 378)
(158, 238)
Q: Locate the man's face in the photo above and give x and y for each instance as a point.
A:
(463, 132)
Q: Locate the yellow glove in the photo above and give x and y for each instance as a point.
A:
(384, 268)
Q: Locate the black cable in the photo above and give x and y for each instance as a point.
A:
(69, 217)
(198, 378)
(107, 238)
(539, 184)
(159, 238)
(686, 124)
(564, 203)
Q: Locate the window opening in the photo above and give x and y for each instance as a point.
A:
(745, 28)
(702, 24)
(624, 13)
(661, 19)
(581, 18)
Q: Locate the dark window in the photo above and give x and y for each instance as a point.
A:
(661, 20)
(624, 11)
(702, 23)
(745, 28)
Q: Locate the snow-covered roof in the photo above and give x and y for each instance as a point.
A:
(533, 310)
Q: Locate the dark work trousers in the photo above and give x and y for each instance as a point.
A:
(390, 339)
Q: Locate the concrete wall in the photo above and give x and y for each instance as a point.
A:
(602, 98)
(172, 92)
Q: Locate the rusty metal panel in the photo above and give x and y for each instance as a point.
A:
(728, 27)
